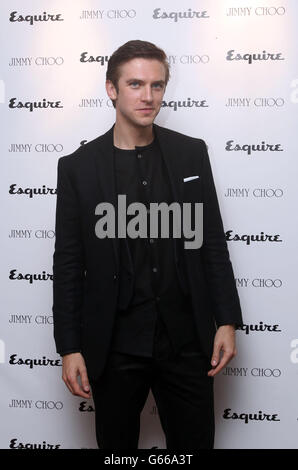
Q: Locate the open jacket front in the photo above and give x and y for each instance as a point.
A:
(86, 268)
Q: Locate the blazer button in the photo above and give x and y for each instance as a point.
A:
(115, 277)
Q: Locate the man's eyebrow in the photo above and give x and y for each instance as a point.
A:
(141, 81)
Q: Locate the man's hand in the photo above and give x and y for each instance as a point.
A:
(224, 341)
(73, 365)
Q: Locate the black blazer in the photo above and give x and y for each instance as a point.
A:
(86, 268)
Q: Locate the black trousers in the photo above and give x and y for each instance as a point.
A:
(182, 390)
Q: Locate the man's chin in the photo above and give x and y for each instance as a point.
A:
(145, 123)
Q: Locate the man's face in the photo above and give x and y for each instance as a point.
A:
(141, 87)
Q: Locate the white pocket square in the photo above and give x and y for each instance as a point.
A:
(189, 178)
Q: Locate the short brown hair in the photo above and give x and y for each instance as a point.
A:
(130, 50)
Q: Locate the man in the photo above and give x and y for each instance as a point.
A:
(134, 314)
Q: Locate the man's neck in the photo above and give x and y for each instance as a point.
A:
(130, 137)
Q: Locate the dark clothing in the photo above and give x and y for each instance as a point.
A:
(86, 267)
(143, 311)
(181, 388)
(157, 297)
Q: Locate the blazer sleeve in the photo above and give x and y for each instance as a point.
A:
(68, 265)
(216, 259)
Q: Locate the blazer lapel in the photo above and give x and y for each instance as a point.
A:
(104, 161)
(171, 154)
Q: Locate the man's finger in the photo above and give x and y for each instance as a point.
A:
(216, 354)
(67, 383)
(85, 381)
(227, 356)
(75, 387)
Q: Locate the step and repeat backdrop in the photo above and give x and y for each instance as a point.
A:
(234, 83)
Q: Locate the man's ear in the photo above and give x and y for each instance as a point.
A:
(111, 90)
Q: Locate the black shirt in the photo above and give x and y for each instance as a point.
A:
(158, 303)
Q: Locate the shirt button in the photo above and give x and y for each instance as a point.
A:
(154, 270)
(144, 182)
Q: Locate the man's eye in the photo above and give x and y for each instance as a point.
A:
(134, 83)
(158, 85)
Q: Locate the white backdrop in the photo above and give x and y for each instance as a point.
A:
(235, 84)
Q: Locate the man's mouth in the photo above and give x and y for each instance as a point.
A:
(145, 109)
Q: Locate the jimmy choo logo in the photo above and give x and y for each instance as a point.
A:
(246, 417)
(109, 14)
(26, 319)
(250, 58)
(31, 19)
(189, 103)
(39, 148)
(32, 191)
(255, 372)
(29, 61)
(231, 146)
(39, 404)
(27, 233)
(32, 105)
(259, 282)
(256, 192)
(258, 11)
(30, 277)
(91, 103)
(175, 15)
(252, 238)
(14, 444)
(264, 102)
(44, 361)
(100, 59)
(85, 407)
(189, 59)
(259, 327)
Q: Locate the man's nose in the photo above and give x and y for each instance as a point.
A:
(147, 94)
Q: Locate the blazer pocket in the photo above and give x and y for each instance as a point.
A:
(192, 190)
(189, 179)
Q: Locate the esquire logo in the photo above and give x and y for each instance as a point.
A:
(178, 15)
(258, 327)
(231, 146)
(30, 277)
(246, 417)
(32, 105)
(32, 191)
(99, 59)
(44, 361)
(189, 103)
(83, 407)
(262, 237)
(253, 57)
(31, 19)
(14, 444)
